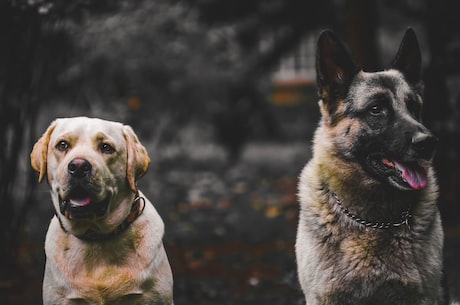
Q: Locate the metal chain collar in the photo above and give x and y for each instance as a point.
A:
(405, 218)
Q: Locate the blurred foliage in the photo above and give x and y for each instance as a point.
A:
(186, 60)
(154, 51)
(183, 57)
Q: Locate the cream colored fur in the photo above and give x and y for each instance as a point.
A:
(130, 268)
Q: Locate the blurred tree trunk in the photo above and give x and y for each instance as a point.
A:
(29, 60)
(19, 31)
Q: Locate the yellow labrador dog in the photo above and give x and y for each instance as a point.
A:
(104, 245)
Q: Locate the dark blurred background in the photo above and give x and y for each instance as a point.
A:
(222, 94)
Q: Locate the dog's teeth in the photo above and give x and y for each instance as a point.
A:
(81, 202)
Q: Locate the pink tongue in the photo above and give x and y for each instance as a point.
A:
(80, 201)
(415, 176)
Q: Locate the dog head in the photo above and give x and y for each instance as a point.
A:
(91, 166)
(374, 118)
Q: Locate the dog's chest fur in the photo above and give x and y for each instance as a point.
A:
(342, 261)
(107, 270)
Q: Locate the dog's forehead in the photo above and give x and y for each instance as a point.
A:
(88, 127)
(391, 81)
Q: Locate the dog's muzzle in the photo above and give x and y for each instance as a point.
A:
(80, 200)
(404, 175)
(405, 168)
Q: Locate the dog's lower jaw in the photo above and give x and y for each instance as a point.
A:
(401, 176)
(87, 211)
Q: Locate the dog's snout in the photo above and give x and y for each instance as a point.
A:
(424, 144)
(79, 168)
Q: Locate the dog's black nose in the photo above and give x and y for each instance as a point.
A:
(424, 144)
(79, 168)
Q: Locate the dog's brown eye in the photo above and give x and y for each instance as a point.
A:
(62, 145)
(376, 110)
(107, 148)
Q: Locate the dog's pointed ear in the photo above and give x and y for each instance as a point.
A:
(39, 154)
(335, 69)
(138, 159)
(408, 60)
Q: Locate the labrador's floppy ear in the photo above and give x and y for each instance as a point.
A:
(138, 159)
(38, 156)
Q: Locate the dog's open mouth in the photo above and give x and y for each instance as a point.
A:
(404, 175)
(80, 204)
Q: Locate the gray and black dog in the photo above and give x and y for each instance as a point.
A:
(370, 230)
